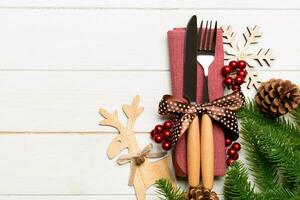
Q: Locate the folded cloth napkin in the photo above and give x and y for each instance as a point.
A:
(176, 40)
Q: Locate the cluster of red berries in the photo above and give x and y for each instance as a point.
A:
(234, 74)
(231, 151)
(162, 134)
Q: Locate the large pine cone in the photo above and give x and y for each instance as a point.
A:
(277, 97)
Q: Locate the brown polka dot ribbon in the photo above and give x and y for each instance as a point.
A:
(221, 110)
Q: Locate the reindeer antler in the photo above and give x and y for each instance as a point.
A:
(132, 111)
(110, 119)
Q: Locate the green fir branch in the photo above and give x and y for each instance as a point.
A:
(296, 116)
(167, 191)
(273, 153)
(236, 185)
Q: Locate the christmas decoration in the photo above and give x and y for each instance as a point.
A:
(143, 173)
(236, 146)
(231, 150)
(234, 74)
(235, 50)
(272, 147)
(277, 97)
(200, 193)
(228, 141)
(167, 191)
(221, 110)
(230, 161)
(239, 80)
(167, 134)
(236, 156)
(235, 87)
(228, 81)
(166, 145)
(158, 129)
(168, 125)
(158, 138)
(162, 134)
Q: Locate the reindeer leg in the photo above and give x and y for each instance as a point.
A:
(157, 170)
(139, 187)
(167, 173)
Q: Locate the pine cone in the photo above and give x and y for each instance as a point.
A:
(277, 97)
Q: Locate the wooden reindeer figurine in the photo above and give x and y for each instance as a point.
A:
(143, 172)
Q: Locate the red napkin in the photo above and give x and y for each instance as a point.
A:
(176, 42)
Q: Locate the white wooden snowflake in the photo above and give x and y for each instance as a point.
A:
(240, 50)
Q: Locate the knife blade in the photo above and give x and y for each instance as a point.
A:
(190, 61)
(190, 92)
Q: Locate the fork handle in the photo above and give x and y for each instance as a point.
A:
(207, 152)
(205, 89)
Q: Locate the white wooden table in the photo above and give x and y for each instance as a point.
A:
(61, 61)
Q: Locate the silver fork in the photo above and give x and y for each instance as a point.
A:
(206, 51)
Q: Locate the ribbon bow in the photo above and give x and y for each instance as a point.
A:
(221, 110)
(138, 159)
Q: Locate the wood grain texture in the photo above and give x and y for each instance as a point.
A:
(207, 152)
(59, 64)
(73, 164)
(127, 40)
(193, 153)
(69, 101)
(74, 197)
(154, 4)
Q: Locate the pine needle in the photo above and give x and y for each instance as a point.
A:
(273, 151)
(236, 184)
(167, 192)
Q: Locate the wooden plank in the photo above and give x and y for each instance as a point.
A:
(113, 39)
(69, 101)
(84, 197)
(73, 197)
(64, 101)
(154, 4)
(64, 164)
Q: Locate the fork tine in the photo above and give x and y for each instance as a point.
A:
(200, 35)
(214, 36)
(204, 37)
(208, 43)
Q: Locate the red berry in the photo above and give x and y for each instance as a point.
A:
(236, 146)
(242, 73)
(166, 134)
(228, 81)
(230, 161)
(235, 87)
(158, 128)
(239, 80)
(242, 64)
(231, 152)
(228, 141)
(233, 64)
(235, 157)
(166, 145)
(158, 138)
(152, 133)
(167, 125)
(226, 70)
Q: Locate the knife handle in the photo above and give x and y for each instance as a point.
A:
(207, 152)
(193, 153)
